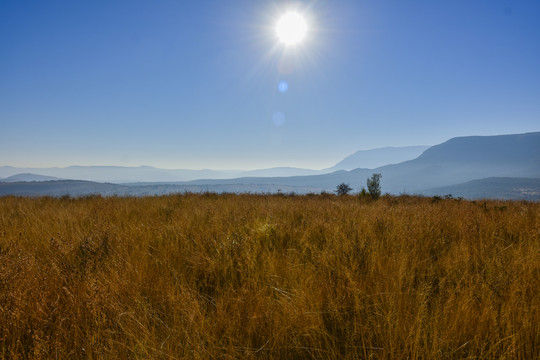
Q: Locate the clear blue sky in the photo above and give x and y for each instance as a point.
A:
(195, 84)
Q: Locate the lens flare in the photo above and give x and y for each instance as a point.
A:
(278, 118)
(283, 86)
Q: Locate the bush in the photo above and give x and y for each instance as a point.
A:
(363, 193)
(343, 189)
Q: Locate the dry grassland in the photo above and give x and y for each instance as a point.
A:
(268, 277)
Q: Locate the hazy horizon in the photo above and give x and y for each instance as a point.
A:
(217, 169)
(200, 85)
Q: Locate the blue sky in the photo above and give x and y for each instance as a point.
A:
(195, 84)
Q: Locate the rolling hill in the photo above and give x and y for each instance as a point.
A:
(27, 177)
(59, 188)
(374, 158)
(495, 187)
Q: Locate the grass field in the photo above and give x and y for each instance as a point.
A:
(282, 277)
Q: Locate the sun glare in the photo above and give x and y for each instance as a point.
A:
(291, 28)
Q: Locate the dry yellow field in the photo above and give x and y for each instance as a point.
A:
(270, 277)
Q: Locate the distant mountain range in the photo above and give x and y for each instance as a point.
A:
(121, 174)
(26, 177)
(453, 162)
(505, 166)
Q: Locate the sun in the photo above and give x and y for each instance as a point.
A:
(291, 28)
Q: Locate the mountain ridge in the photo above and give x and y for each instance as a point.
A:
(374, 158)
(27, 177)
(146, 173)
(427, 172)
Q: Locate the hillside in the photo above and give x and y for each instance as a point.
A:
(498, 150)
(59, 188)
(84, 188)
(469, 158)
(27, 177)
(374, 158)
(499, 188)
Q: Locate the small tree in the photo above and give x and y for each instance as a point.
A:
(343, 189)
(374, 186)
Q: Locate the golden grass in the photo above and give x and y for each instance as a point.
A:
(282, 277)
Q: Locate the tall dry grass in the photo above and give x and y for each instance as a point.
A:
(249, 276)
